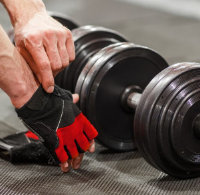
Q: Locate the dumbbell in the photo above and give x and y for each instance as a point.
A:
(124, 81)
(90, 42)
(63, 19)
(114, 134)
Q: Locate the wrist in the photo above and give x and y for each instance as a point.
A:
(21, 11)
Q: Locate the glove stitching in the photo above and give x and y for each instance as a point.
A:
(63, 104)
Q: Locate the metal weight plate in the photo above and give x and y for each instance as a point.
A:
(87, 33)
(88, 40)
(121, 66)
(138, 125)
(59, 79)
(139, 134)
(145, 95)
(165, 134)
(85, 71)
(86, 53)
(65, 20)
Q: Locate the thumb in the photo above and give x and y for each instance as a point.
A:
(75, 98)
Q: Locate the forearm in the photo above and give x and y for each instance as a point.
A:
(20, 11)
(16, 78)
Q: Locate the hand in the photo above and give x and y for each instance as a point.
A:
(46, 45)
(64, 130)
(76, 162)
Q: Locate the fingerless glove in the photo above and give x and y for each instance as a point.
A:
(58, 123)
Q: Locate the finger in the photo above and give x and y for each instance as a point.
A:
(64, 57)
(60, 150)
(65, 167)
(92, 146)
(75, 98)
(82, 143)
(43, 67)
(50, 44)
(70, 46)
(71, 150)
(28, 58)
(76, 163)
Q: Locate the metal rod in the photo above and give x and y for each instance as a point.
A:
(134, 99)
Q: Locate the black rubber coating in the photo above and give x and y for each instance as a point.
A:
(164, 122)
(120, 65)
(64, 20)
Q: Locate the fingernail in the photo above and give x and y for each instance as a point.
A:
(76, 166)
(50, 89)
(92, 148)
(66, 165)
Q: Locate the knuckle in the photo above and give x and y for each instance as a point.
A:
(57, 66)
(49, 33)
(66, 63)
(31, 38)
(44, 66)
(72, 57)
(68, 33)
(61, 33)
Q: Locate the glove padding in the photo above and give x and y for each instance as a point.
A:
(25, 148)
(58, 122)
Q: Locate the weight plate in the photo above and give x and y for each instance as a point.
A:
(84, 54)
(87, 68)
(138, 125)
(88, 52)
(65, 20)
(103, 87)
(87, 33)
(59, 79)
(165, 133)
(155, 81)
(85, 37)
(83, 82)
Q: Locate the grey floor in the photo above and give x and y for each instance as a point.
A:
(175, 37)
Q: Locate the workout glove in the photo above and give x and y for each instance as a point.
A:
(58, 123)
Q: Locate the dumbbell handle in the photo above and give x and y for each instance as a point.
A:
(134, 99)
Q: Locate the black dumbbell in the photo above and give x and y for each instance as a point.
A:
(106, 81)
(63, 19)
(88, 41)
(123, 81)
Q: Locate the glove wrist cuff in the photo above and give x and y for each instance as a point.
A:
(36, 102)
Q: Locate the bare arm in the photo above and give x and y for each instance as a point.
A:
(46, 45)
(21, 11)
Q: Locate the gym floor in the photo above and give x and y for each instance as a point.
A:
(175, 35)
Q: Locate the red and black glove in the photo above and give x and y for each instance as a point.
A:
(58, 122)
